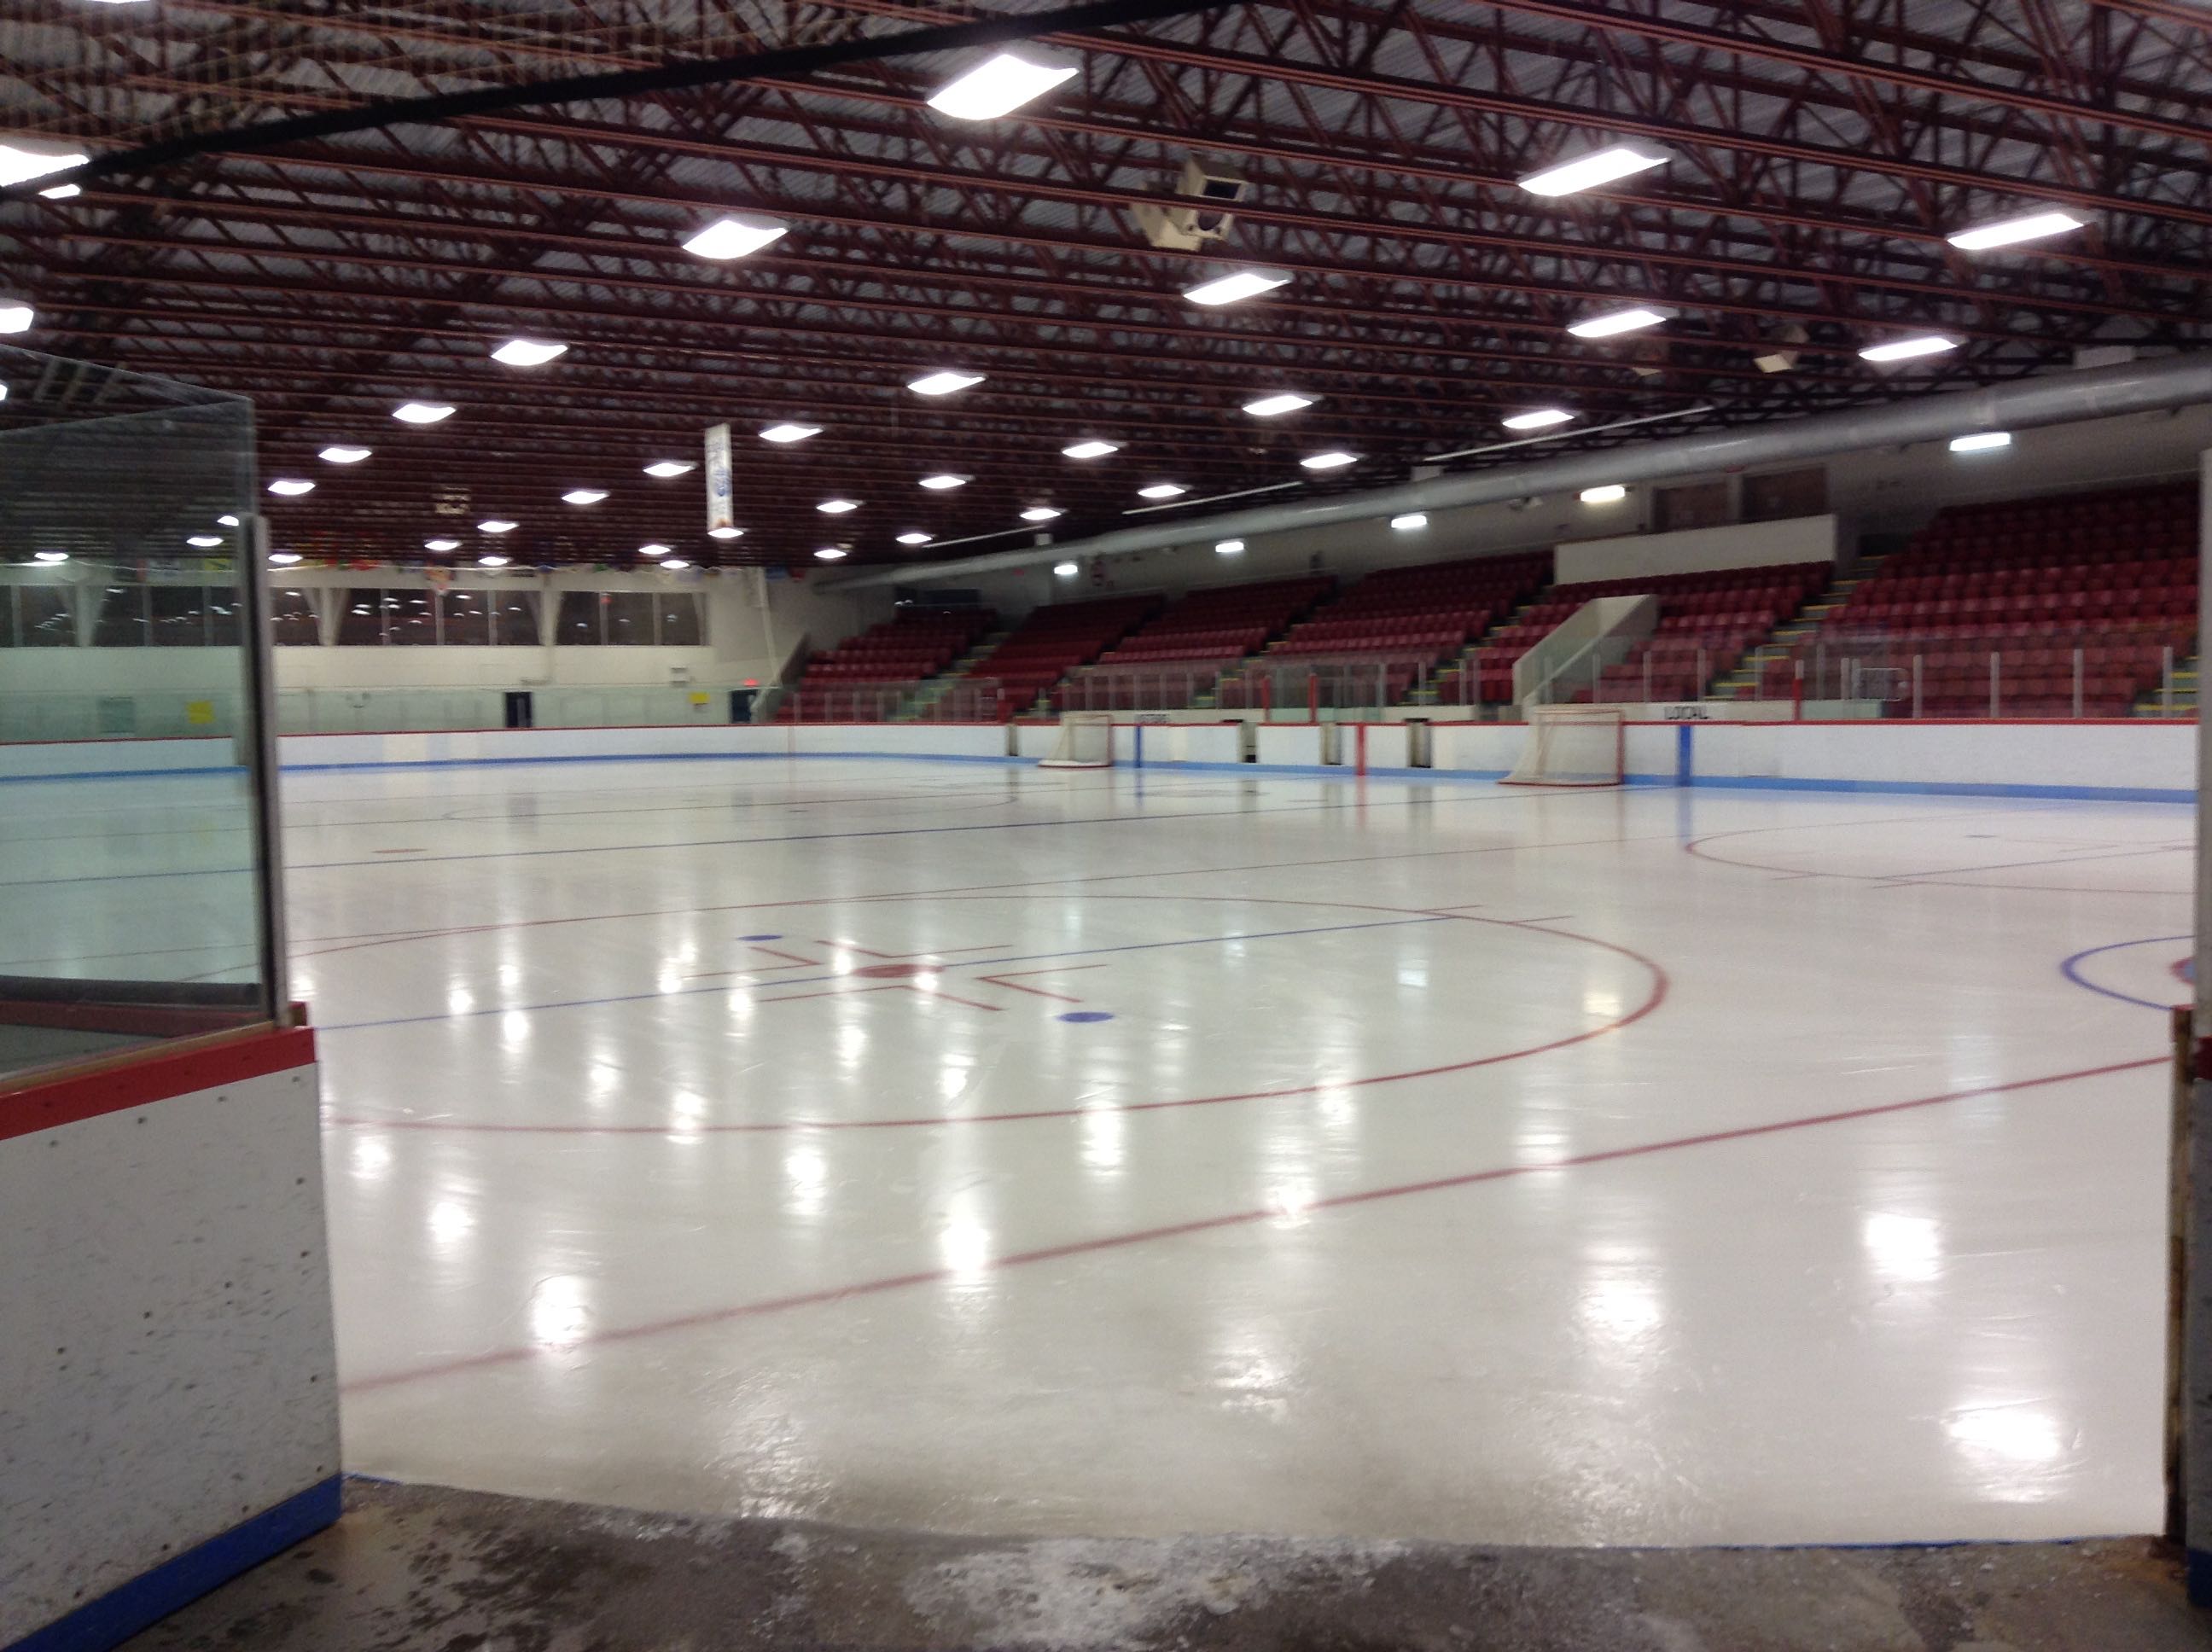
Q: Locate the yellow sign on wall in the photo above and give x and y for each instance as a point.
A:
(199, 711)
(698, 699)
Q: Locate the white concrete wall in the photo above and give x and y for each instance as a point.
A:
(1699, 550)
(167, 1363)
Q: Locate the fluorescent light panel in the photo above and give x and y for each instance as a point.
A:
(1162, 490)
(1410, 521)
(583, 495)
(1904, 350)
(50, 557)
(528, 352)
(1228, 548)
(1611, 493)
(664, 468)
(204, 541)
(1066, 570)
(1594, 170)
(491, 561)
(339, 455)
(733, 237)
(1236, 286)
(62, 192)
(943, 482)
(656, 550)
(943, 383)
(1040, 513)
(421, 412)
(1090, 449)
(291, 486)
(1541, 418)
(15, 316)
(1981, 441)
(838, 506)
(1615, 322)
(283, 558)
(1286, 401)
(999, 85)
(1335, 459)
(22, 159)
(442, 545)
(496, 525)
(2029, 227)
(790, 432)
(915, 538)
(830, 554)
(726, 533)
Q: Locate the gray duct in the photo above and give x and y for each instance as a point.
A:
(2022, 405)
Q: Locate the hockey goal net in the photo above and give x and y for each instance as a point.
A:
(1570, 746)
(1086, 741)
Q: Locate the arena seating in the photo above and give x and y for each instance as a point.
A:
(1053, 641)
(1706, 622)
(1396, 624)
(894, 656)
(2110, 575)
(1168, 661)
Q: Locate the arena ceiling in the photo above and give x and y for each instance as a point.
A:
(1818, 155)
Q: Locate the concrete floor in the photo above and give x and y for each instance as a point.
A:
(420, 1567)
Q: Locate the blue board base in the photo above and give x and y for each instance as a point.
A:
(178, 1581)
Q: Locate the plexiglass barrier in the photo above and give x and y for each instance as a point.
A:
(134, 910)
(2127, 672)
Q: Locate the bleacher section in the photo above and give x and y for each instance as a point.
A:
(871, 675)
(1173, 658)
(2112, 575)
(1053, 641)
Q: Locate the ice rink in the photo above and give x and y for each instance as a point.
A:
(1006, 1150)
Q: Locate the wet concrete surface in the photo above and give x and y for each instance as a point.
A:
(415, 1567)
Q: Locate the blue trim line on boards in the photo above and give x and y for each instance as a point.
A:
(1952, 789)
(654, 757)
(147, 1599)
(122, 774)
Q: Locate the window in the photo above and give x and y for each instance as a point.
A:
(411, 619)
(292, 620)
(466, 618)
(679, 619)
(578, 626)
(1780, 494)
(361, 622)
(43, 619)
(514, 619)
(179, 616)
(1693, 505)
(630, 618)
(121, 617)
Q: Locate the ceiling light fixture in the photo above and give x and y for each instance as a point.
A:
(583, 495)
(656, 550)
(915, 538)
(1904, 350)
(1541, 418)
(733, 237)
(943, 481)
(496, 525)
(1981, 441)
(1335, 460)
(838, 506)
(62, 192)
(725, 532)
(491, 561)
(787, 432)
(1236, 286)
(442, 545)
(1616, 322)
(226, 521)
(675, 564)
(204, 541)
(1286, 401)
(1592, 170)
(1066, 570)
(1610, 492)
(1090, 448)
(1228, 548)
(528, 352)
(421, 412)
(664, 468)
(50, 557)
(1162, 490)
(22, 159)
(15, 316)
(1409, 521)
(1041, 513)
(291, 486)
(829, 554)
(2029, 227)
(283, 558)
(1000, 85)
(343, 455)
(943, 383)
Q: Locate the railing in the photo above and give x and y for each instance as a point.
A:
(2106, 673)
(963, 700)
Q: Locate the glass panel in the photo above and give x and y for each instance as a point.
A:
(44, 620)
(679, 619)
(579, 626)
(179, 616)
(514, 618)
(361, 622)
(108, 473)
(121, 622)
(293, 619)
(629, 616)
(467, 618)
(411, 619)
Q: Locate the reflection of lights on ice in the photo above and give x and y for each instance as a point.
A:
(1621, 1309)
(560, 1312)
(449, 1219)
(964, 1243)
(1103, 1147)
(2013, 1450)
(952, 1079)
(1602, 1000)
(808, 1173)
(515, 1027)
(1291, 1198)
(1908, 1248)
(371, 1156)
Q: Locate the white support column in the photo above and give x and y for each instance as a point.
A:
(2196, 1226)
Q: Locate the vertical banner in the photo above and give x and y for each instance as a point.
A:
(719, 501)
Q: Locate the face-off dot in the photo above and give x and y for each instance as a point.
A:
(1085, 1015)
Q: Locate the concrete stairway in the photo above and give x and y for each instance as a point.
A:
(1740, 683)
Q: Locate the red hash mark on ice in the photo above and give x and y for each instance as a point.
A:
(1007, 981)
